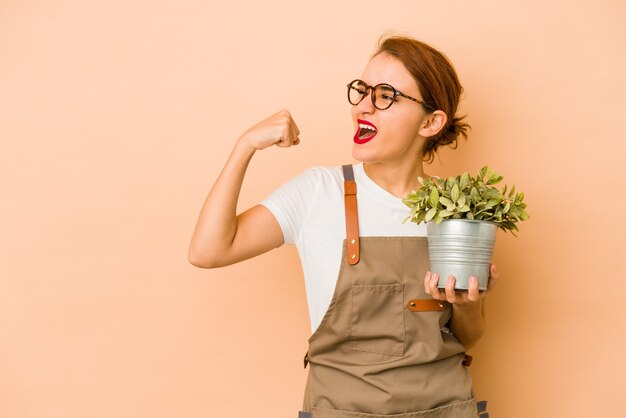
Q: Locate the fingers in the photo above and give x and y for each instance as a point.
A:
(293, 128)
(430, 285)
(289, 130)
(293, 123)
(450, 293)
(493, 277)
(472, 291)
(427, 279)
(278, 129)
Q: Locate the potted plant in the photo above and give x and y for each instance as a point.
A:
(463, 214)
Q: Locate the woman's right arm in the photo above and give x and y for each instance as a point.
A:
(221, 237)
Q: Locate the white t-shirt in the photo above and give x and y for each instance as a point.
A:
(310, 211)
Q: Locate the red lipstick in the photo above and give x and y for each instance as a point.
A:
(365, 132)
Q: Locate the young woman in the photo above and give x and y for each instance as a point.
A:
(385, 340)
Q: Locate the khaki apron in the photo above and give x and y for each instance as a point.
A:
(379, 350)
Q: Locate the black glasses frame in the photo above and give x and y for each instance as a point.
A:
(396, 93)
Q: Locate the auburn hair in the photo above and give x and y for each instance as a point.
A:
(438, 84)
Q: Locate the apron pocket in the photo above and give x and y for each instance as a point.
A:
(377, 319)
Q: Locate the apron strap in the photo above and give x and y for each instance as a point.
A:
(352, 215)
(352, 222)
(482, 409)
(427, 305)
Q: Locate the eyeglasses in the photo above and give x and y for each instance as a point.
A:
(383, 95)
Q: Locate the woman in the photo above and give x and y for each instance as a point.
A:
(385, 340)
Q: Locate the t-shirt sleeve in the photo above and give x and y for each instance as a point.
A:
(290, 203)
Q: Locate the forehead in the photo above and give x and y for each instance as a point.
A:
(385, 68)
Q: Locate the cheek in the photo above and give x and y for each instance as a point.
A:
(354, 113)
(401, 125)
(407, 124)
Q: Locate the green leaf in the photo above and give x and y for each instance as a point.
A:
(445, 201)
(445, 213)
(421, 180)
(434, 198)
(482, 173)
(409, 201)
(512, 192)
(470, 215)
(465, 180)
(494, 178)
(461, 201)
(455, 192)
(430, 214)
(474, 194)
(492, 193)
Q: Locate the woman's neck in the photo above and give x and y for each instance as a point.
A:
(399, 180)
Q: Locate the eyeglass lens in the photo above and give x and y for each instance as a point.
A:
(382, 95)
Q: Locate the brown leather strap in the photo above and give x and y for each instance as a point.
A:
(352, 215)
(424, 305)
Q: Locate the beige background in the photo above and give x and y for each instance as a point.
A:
(117, 117)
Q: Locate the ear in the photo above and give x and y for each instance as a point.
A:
(433, 123)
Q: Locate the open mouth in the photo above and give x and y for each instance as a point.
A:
(365, 132)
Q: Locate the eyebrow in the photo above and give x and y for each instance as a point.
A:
(372, 85)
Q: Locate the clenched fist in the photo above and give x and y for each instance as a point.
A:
(278, 129)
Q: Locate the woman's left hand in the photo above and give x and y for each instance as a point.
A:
(472, 296)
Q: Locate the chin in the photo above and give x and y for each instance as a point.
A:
(363, 156)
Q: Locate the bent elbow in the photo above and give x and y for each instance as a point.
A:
(201, 262)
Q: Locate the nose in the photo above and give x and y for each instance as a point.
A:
(367, 105)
